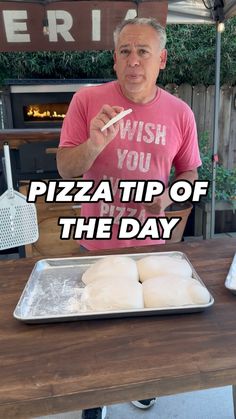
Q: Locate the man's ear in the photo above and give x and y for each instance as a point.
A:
(114, 58)
(163, 59)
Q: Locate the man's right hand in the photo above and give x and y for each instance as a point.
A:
(75, 161)
(98, 139)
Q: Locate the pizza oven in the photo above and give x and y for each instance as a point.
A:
(39, 103)
(29, 104)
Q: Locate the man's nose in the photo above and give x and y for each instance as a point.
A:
(133, 59)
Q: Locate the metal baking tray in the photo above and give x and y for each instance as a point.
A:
(230, 281)
(54, 289)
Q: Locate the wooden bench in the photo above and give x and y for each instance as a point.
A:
(49, 242)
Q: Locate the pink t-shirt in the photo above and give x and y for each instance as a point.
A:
(151, 139)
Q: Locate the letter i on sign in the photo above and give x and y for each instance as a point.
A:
(96, 25)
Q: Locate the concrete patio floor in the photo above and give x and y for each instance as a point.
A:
(205, 404)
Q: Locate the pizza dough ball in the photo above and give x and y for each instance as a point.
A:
(107, 294)
(172, 291)
(198, 293)
(110, 267)
(152, 266)
(169, 291)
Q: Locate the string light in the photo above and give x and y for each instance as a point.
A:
(221, 27)
(219, 16)
(45, 26)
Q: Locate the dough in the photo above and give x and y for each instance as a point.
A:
(106, 294)
(198, 293)
(111, 267)
(152, 266)
(166, 291)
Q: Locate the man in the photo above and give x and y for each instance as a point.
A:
(158, 134)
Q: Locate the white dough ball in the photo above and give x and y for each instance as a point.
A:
(107, 294)
(174, 291)
(169, 291)
(198, 293)
(152, 266)
(110, 267)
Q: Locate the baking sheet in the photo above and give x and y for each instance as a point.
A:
(230, 282)
(54, 289)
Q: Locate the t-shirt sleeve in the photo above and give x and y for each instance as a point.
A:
(188, 156)
(75, 125)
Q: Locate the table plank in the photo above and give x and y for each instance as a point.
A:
(17, 137)
(50, 368)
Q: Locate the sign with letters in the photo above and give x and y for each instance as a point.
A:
(69, 25)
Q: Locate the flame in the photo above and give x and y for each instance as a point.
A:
(35, 113)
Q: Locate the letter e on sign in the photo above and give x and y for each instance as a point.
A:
(14, 25)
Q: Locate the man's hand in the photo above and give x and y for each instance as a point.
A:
(163, 201)
(159, 204)
(98, 139)
(75, 161)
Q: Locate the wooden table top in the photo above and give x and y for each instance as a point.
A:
(59, 367)
(17, 137)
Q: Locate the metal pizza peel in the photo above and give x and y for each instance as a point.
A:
(18, 218)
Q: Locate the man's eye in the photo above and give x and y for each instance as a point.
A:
(143, 52)
(124, 52)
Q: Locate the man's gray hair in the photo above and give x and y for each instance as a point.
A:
(160, 30)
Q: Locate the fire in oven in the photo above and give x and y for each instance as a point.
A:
(39, 110)
(46, 112)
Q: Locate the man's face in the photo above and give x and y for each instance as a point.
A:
(138, 60)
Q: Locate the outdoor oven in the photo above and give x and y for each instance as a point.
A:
(29, 104)
(39, 103)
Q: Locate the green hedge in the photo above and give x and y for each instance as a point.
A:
(191, 59)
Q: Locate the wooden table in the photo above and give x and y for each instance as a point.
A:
(53, 368)
(17, 137)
